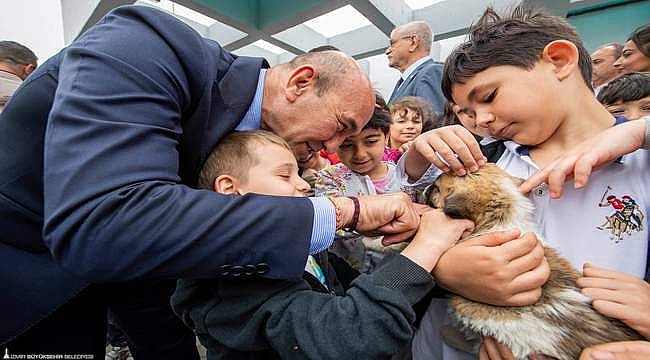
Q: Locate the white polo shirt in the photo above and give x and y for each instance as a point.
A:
(583, 224)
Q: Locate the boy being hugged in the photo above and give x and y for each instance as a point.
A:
(322, 315)
(525, 80)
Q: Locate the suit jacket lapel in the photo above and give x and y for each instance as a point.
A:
(398, 92)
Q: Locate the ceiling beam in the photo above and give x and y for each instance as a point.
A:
(374, 15)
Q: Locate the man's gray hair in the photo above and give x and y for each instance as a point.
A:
(421, 29)
(17, 54)
(618, 49)
(333, 67)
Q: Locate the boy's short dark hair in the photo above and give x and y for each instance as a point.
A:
(517, 39)
(234, 156)
(380, 116)
(641, 38)
(416, 104)
(628, 87)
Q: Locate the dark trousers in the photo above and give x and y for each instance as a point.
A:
(141, 309)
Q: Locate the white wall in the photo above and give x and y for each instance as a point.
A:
(36, 24)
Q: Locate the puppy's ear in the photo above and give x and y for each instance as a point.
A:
(457, 206)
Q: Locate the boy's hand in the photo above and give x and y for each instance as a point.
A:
(618, 295)
(624, 350)
(497, 268)
(437, 232)
(455, 145)
(590, 155)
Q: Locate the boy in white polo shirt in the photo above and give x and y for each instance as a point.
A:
(524, 80)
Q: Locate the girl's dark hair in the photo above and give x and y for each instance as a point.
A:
(641, 38)
(517, 39)
(380, 117)
(628, 87)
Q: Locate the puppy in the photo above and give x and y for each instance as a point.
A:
(562, 322)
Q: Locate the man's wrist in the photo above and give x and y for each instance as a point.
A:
(345, 208)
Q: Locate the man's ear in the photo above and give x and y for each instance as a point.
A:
(28, 69)
(226, 184)
(563, 55)
(300, 80)
(414, 42)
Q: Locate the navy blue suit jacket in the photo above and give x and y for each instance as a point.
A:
(99, 150)
(423, 82)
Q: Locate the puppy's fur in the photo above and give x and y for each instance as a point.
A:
(562, 322)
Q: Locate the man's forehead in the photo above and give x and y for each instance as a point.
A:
(603, 52)
(396, 33)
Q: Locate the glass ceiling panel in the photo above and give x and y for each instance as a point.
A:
(268, 47)
(339, 21)
(183, 11)
(419, 4)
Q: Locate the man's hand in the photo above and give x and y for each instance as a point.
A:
(497, 268)
(450, 148)
(391, 215)
(618, 295)
(588, 156)
(437, 232)
(625, 350)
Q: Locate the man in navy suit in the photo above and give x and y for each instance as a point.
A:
(408, 52)
(100, 149)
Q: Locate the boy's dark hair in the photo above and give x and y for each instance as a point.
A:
(628, 87)
(234, 156)
(15, 53)
(641, 38)
(416, 104)
(517, 39)
(380, 116)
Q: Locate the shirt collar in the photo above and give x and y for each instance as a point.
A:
(253, 118)
(414, 66)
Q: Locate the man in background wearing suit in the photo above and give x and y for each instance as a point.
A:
(408, 52)
(100, 151)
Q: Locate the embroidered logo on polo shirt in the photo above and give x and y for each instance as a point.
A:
(626, 218)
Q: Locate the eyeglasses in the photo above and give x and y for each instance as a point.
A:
(392, 42)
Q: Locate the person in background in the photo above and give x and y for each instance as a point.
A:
(410, 115)
(636, 52)
(627, 96)
(602, 62)
(17, 59)
(16, 63)
(408, 52)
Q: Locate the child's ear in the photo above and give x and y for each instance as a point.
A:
(226, 184)
(563, 55)
(299, 81)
